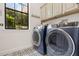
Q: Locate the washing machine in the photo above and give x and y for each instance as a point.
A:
(62, 41)
(39, 35)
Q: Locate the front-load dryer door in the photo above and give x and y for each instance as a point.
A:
(36, 37)
(59, 43)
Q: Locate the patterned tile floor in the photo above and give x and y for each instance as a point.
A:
(35, 53)
(25, 52)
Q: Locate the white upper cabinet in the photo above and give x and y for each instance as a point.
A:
(69, 7)
(49, 10)
(43, 12)
(46, 11)
(57, 9)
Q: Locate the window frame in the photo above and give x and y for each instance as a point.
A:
(21, 16)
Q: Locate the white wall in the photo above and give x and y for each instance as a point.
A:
(12, 40)
(73, 17)
(1, 16)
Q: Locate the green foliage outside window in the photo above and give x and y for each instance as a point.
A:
(16, 19)
(10, 20)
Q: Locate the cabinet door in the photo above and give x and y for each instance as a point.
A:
(57, 9)
(49, 10)
(67, 7)
(43, 12)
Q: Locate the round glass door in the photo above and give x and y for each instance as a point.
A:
(60, 43)
(36, 38)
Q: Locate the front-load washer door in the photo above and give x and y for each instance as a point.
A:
(36, 37)
(59, 43)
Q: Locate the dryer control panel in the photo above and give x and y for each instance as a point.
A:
(68, 24)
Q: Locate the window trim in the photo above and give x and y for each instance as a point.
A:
(21, 16)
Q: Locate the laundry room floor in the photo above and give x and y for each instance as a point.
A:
(35, 53)
(25, 52)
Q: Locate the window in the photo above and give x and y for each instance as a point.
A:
(18, 6)
(10, 5)
(16, 16)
